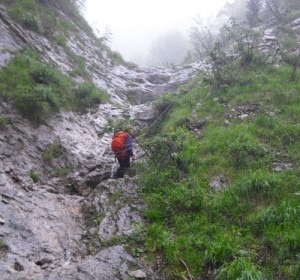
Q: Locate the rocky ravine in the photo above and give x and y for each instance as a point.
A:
(44, 229)
(70, 223)
(73, 222)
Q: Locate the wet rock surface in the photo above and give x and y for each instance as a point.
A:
(43, 225)
(62, 216)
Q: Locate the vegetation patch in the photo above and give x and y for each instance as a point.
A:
(38, 90)
(3, 123)
(34, 176)
(247, 230)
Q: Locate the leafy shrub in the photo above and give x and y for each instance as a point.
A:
(60, 40)
(119, 124)
(290, 41)
(53, 150)
(80, 69)
(26, 13)
(38, 90)
(234, 55)
(161, 104)
(293, 60)
(87, 94)
(44, 74)
(36, 103)
(163, 149)
(34, 176)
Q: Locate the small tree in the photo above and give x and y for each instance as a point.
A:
(234, 51)
(203, 38)
(252, 14)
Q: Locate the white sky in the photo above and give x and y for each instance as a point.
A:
(135, 24)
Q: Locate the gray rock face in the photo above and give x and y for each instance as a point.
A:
(42, 226)
(62, 216)
(109, 264)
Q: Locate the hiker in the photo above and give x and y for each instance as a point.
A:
(121, 145)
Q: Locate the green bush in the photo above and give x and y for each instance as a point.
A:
(36, 103)
(44, 74)
(53, 150)
(34, 176)
(87, 95)
(26, 12)
(38, 90)
(161, 104)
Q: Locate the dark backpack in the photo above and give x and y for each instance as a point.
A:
(118, 144)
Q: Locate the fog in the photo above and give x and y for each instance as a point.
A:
(136, 24)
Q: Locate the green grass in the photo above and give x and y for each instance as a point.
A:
(34, 176)
(250, 229)
(43, 16)
(38, 90)
(25, 12)
(53, 150)
(3, 123)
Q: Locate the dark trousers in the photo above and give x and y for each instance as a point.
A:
(124, 164)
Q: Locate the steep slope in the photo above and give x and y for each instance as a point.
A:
(62, 217)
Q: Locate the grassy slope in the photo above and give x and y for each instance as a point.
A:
(35, 87)
(250, 229)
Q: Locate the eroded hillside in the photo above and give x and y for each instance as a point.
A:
(62, 216)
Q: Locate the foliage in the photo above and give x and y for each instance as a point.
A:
(87, 95)
(53, 150)
(115, 57)
(26, 12)
(35, 87)
(242, 269)
(3, 123)
(119, 124)
(261, 10)
(291, 57)
(39, 17)
(57, 21)
(234, 55)
(203, 37)
(38, 90)
(34, 176)
(80, 69)
(163, 103)
(253, 9)
(281, 11)
(248, 229)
